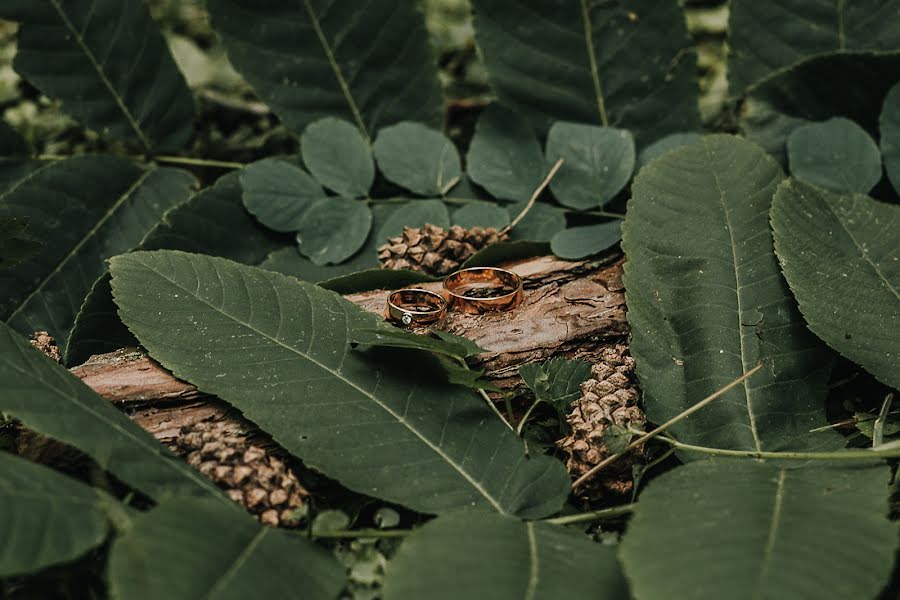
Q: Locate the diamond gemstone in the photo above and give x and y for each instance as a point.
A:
(406, 319)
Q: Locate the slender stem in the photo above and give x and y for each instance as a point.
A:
(524, 418)
(494, 408)
(199, 162)
(599, 213)
(594, 515)
(534, 196)
(362, 533)
(679, 417)
(862, 454)
(878, 427)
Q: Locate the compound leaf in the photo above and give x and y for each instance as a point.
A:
(379, 422)
(707, 302)
(109, 65)
(839, 255)
(744, 530)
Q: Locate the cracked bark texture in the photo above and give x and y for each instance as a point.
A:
(570, 309)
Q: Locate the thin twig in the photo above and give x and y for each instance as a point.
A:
(886, 451)
(495, 409)
(524, 418)
(534, 197)
(199, 162)
(594, 515)
(679, 417)
(878, 427)
(361, 533)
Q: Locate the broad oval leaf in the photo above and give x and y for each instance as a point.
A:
(580, 242)
(212, 221)
(504, 156)
(188, 548)
(836, 154)
(540, 224)
(766, 36)
(707, 302)
(278, 193)
(277, 349)
(576, 61)
(48, 399)
(471, 555)
(746, 530)
(86, 209)
(481, 214)
(109, 65)
(338, 157)
(333, 229)
(46, 517)
(367, 61)
(665, 144)
(417, 213)
(840, 254)
(418, 158)
(598, 163)
(889, 127)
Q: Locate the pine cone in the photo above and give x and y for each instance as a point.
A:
(610, 396)
(251, 475)
(434, 250)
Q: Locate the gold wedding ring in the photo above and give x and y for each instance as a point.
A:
(483, 289)
(415, 306)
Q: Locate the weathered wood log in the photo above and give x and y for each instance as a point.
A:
(571, 309)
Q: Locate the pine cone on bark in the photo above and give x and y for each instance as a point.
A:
(609, 397)
(434, 250)
(250, 474)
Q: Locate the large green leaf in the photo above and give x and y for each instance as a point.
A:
(707, 302)
(45, 517)
(765, 36)
(748, 530)
(840, 254)
(836, 154)
(334, 229)
(48, 399)
(889, 128)
(466, 555)
(276, 348)
(339, 157)
(844, 84)
(278, 193)
(580, 242)
(368, 61)
(214, 222)
(189, 548)
(16, 244)
(418, 158)
(576, 61)
(84, 210)
(109, 65)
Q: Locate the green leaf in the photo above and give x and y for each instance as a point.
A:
(466, 555)
(580, 242)
(598, 163)
(380, 423)
(481, 214)
(339, 157)
(109, 65)
(577, 61)
(334, 229)
(48, 399)
(188, 548)
(889, 126)
(743, 529)
(707, 303)
(12, 144)
(87, 209)
(367, 62)
(374, 279)
(839, 255)
(766, 36)
(15, 243)
(278, 193)
(417, 213)
(417, 158)
(440, 342)
(504, 156)
(844, 84)
(664, 145)
(502, 252)
(48, 518)
(836, 154)
(213, 222)
(556, 381)
(540, 224)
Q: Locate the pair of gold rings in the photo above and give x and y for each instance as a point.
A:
(476, 291)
